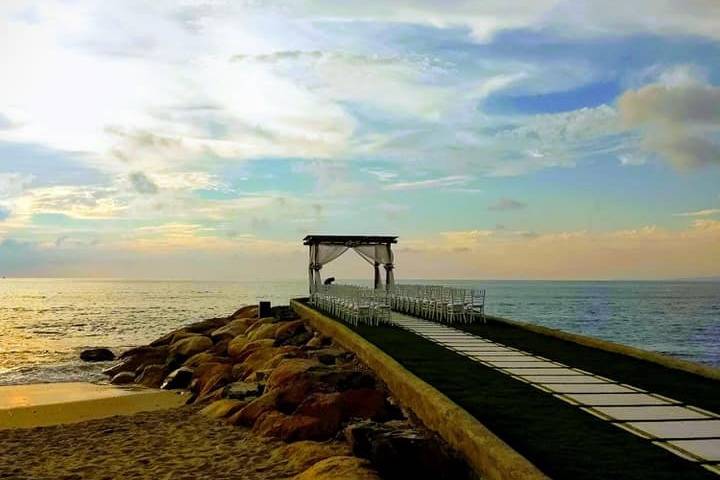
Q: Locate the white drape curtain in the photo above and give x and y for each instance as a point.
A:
(319, 256)
(376, 255)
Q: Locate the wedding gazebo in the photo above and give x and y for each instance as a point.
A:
(376, 250)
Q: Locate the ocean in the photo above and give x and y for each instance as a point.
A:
(45, 323)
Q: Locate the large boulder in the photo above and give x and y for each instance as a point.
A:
(123, 378)
(222, 408)
(291, 428)
(266, 330)
(171, 337)
(152, 376)
(236, 345)
(240, 354)
(138, 359)
(329, 356)
(178, 378)
(365, 403)
(209, 377)
(249, 414)
(204, 357)
(243, 390)
(248, 311)
(206, 327)
(288, 371)
(328, 409)
(305, 453)
(345, 467)
(398, 450)
(97, 355)
(288, 329)
(232, 329)
(260, 357)
(189, 346)
(259, 323)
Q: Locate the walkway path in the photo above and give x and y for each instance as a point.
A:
(687, 431)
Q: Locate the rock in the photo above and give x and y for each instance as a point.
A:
(97, 355)
(220, 347)
(236, 345)
(304, 454)
(179, 378)
(399, 451)
(152, 376)
(315, 342)
(289, 370)
(365, 403)
(263, 331)
(345, 467)
(189, 346)
(171, 337)
(258, 358)
(243, 352)
(287, 330)
(291, 428)
(259, 323)
(327, 408)
(249, 414)
(206, 327)
(232, 329)
(284, 353)
(123, 378)
(204, 357)
(209, 377)
(222, 408)
(329, 356)
(283, 313)
(243, 390)
(259, 376)
(138, 359)
(248, 311)
(298, 340)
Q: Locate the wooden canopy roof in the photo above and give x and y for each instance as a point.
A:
(349, 239)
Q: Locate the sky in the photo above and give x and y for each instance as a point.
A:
(202, 139)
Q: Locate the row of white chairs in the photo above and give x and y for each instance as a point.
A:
(439, 303)
(356, 304)
(353, 304)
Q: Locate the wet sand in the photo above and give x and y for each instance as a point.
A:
(44, 404)
(166, 444)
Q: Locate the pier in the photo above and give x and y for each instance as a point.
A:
(571, 410)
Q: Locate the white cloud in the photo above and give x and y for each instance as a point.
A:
(679, 116)
(442, 182)
(700, 213)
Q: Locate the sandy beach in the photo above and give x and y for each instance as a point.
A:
(169, 444)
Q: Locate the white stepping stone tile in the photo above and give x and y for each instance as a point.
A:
(650, 413)
(534, 364)
(680, 428)
(541, 371)
(550, 379)
(587, 388)
(610, 399)
(495, 356)
(708, 450)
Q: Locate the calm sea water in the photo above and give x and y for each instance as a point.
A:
(44, 323)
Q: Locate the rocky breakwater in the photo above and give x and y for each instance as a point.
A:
(278, 377)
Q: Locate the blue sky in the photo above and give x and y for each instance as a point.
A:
(203, 139)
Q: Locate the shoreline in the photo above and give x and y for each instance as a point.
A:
(48, 404)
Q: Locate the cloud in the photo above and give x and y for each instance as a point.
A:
(141, 183)
(442, 182)
(699, 213)
(679, 117)
(507, 204)
(4, 213)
